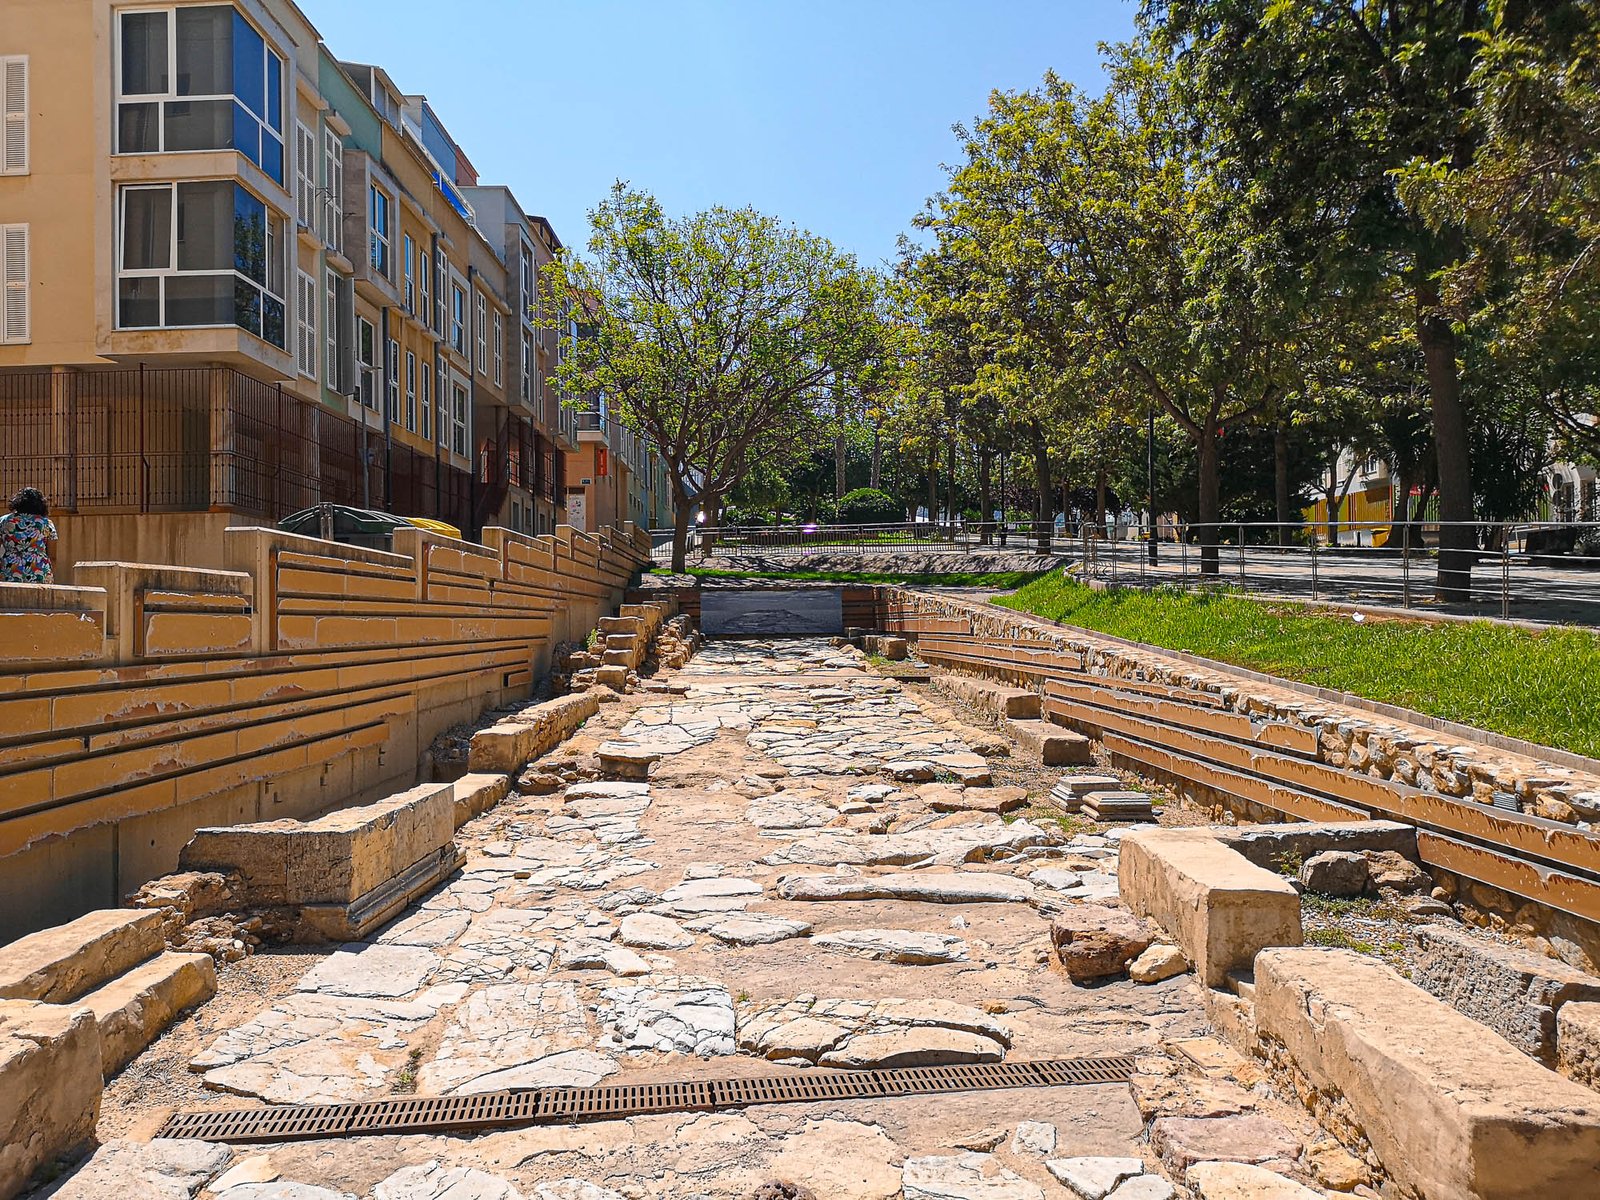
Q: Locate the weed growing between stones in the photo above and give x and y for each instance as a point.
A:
(406, 1081)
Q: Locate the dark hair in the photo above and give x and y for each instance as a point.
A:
(31, 502)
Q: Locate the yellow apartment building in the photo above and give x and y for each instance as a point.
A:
(241, 276)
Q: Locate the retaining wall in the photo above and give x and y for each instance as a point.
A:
(141, 702)
(1506, 833)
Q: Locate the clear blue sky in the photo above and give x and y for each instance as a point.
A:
(833, 114)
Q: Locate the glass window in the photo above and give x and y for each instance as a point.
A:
(200, 300)
(216, 85)
(458, 319)
(330, 333)
(139, 302)
(206, 225)
(380, 232)
(249, 236)
(146, 228)
(410, 255)
(144, 54)
(204, 50)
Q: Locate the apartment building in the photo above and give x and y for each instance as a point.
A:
(242, 275)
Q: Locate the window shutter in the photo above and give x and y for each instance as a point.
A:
(14, 275)
(14, 103)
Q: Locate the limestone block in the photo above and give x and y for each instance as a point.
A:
(994, 698)
(258, 854)
(1450, 1108)
(476, 794)
(1056, 747)
(50, 1084)
(162, 1169)
(1270, 846)
(1335, 873)
(65, 961)
(1514, 992)
(507, 747)
(613, 677)
(1578, 1042)
(1240, 1137)
(1220, 907)
(134, 1009)
(1241, 1181)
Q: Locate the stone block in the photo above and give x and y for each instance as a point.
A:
(1578, 1042)
(1341, 873)
(476, 794)
(50, 1085)
(62, 963)
(994, 699)
(1093, 942)
(134, 1009)
(1270, 846)
(1069, 793)
(1514, 992)
(1450, 1108)
(613, 677)
(1220, 907)
(1055, 746)
(1118, 806)
(505, 748)
(1241, 1181)
(1242, 1138)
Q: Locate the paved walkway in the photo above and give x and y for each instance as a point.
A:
(694, 926)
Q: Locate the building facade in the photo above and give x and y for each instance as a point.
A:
(242, 275)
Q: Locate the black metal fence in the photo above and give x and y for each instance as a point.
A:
(196, 439)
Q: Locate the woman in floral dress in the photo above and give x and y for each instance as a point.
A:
(27, 539)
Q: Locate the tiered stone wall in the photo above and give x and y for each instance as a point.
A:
(142, 702)
(1537, 802)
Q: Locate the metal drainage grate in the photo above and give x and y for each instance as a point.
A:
(499, 1110)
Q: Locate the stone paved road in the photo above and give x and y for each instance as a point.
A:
(697, 925)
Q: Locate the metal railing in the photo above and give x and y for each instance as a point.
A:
(206, 438)
(1530, 570)
(797, 541)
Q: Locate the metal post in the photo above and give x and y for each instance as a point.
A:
(1405, 565)
(1505, 574)
(1313, 564)
(1150, 480)
(1241, 554)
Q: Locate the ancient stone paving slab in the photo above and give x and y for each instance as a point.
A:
(769, 895)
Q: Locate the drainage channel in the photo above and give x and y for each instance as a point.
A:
(541, 1106)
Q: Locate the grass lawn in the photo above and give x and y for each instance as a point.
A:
(995, 580)
(1540, 686)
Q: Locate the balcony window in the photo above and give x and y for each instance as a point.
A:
(408, 262)
(333, 190)
(199, 78)
(207, 253)
(426, 381)
(366, 362)
(458, 320)
(458, 418)
(380, 231)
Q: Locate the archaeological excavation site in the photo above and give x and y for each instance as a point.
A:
(510, 872)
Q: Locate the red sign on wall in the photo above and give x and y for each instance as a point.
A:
(602, 462)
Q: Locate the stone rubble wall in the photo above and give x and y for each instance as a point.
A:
(1540, 801)
(144, 702)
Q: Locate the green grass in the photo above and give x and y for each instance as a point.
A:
(995, 580)
(1543, 686)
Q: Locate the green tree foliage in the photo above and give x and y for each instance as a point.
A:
(713, 335)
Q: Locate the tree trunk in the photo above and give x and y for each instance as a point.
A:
(1100, 502)
(838, 464)
(1044, 503)
(1280, 479)
(1210, 499)
(950, 487)
(985, 497)
(1457, 541)
(933, 484)
(682, 518)
(876, 481)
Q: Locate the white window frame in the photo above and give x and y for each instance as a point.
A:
(458, 317)
(391, 382)
(366, 367)
(527, 272)
(459, 398)
(120, 272)
(527, 366)
(425, 287)
(330, 334)
(16, 305)
(441, 298)
(380, 237)
(482, 318)
(161, 99)
(411, 391)
(14, 148)
(305, 176)
(305, 324)
(333, 195)
(499, 347)
(408, 254)
(427, 400)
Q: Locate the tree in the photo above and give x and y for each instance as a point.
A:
(713, 335)
(1327, 104)
(1121, 265)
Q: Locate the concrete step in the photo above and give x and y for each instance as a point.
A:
(133, 1010)
(60, 964)
(993, 698)
(1055, 746)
